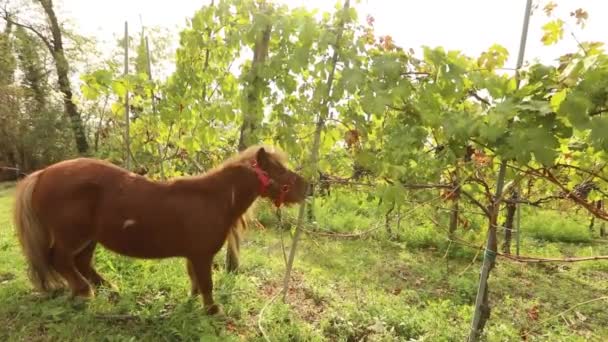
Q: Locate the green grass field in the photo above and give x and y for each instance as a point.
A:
(369, 289)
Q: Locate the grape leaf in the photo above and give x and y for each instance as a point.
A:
(553, 32)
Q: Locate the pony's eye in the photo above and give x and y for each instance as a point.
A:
(285, 188)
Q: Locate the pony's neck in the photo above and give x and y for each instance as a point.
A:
(233, 188)
(239, 188)
(242, 191)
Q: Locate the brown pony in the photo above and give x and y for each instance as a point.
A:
(64, 210)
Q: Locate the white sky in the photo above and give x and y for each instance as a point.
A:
(467, 25)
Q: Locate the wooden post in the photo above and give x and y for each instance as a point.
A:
(600, 207)
(518, 229)
(482, 305)
(314, 155)
(455, 196)
(510, 221)
(127, 119)
(150, 74)
(161, 150)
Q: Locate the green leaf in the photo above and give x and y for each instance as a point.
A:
(300, 58)
(538, 141)
(495, 57)
(391, 194)
(491, 133)
(553, 32)
(103, 77)
(557, 99)
(352, 78)
(542, 107)
(90, 93)
(599, 133)
(543, 145)
(118, 108)
(577, 146)
(506, 110)
(388, 67)
(498, 119)
(119, 88)
(575, 107)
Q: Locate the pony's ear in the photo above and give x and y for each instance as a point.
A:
(262, 156)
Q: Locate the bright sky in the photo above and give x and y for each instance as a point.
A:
(467, 25)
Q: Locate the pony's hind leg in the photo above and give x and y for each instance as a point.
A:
(84, 264)
(194, 290)
(202, 271)
(64, 263)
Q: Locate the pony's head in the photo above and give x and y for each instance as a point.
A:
(277, 182)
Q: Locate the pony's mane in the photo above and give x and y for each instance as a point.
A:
(247, 155)
(250, 153)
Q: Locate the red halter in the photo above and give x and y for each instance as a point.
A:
(284, 190)
(262, 177)
(265, 182)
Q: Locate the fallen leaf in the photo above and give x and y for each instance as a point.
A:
(533, 313)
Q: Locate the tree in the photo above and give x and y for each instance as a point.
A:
(51, 36)
(8, 97)
(63, 68)
(255, 84)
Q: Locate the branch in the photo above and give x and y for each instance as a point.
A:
(196, 164)
(399, 109)
(578, 168)
(474, 94)
(598, 112)
(122, 318)
(261, 316)
(483, 145)
(340, 122)
(526, 259)
(485, 185)
(342, 235)
(536, 203)
(419, 186)
(589, 206)
(476, 202)
(565, 311)
(416, 73)
(537, 260)
(427, 186)
(8, 18)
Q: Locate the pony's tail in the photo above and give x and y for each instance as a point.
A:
(234, 241)
(234, 245)
(34, 239)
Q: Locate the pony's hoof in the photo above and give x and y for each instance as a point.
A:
(84, 293)
(111, 287)
(214, 309)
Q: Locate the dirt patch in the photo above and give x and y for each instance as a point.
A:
(303, 300)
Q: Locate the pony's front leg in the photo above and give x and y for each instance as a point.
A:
(202, 271)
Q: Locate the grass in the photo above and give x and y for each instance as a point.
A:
(555, 226)
(371, 289)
